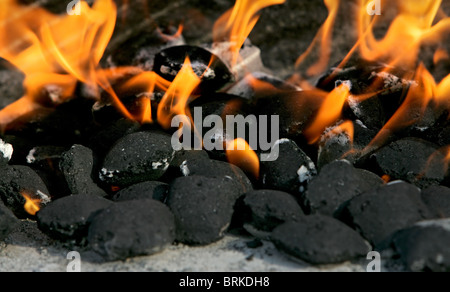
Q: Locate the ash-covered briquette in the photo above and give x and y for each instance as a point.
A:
(263, 210)
(437, 199)
(416, 161)
(138, 157)
(203, 208)
(336, 184)
(132, 228)
(77, 166)
(45, 161)
(217, 169)
(67, 218)
(8, 222)
(318, 239)
(291, 172)
(424, 246)
(17, 180)
(213, 72)
(379, 213)
(146, 190)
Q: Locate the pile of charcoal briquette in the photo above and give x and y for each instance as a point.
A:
(116, 187)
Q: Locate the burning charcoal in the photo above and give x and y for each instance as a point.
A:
(369, 77)
(203, 208)
(336, 184)
(424, 246)
(77, 165)
(247, 89)
(378, 214)
(183, 158)
(132, 228)
(138, 157)
(147, 190)
(320, 240)
(437, 199)
(263, 210)
(67, 218)
(220, 170)
(102, 141)
(296, 110)
(414, 160)
(8, 222)
(336, 144)
(17, 181)
(11, 84)
(213, 72)
(6, 152)
(45, 161)
(291, 172)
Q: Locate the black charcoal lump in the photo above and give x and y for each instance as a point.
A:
(264, 210)
(424, 246)
(16, 181)
(318, 239)
(77, 166)
(138, 157)
(130, 229)
(203, 208)
(291, 172)
(67, 218)
(8, 222)
(437, 199)
(336, 184)
(416, 161)
(379, 213)
(146, 190)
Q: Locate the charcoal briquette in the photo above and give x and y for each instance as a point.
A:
(319, 240)
(16, 181)
(132, 228)
(8, 222)
(437, 199)
(379, 213)
(203, 208)
(67, 218)
(137, 157)
(146, 190)
(77, 165)
(424, 246)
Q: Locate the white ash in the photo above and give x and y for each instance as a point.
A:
(361, 124)
(6, 149)
(104, 173)
(443, 223)
(392, 82)
(157, 164)
(346, 83)
(44, 198)
(353, 102)
(55, 92)
(167, 70)
(306, 172)
(30, 157)
(184, 168)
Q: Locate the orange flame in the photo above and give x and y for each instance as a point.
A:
(32, 206)
(329, 112)
(324, 39)
(237, 23)
(242, 155)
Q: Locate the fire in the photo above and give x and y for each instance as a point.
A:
(329, 112)
(242, 155)
(32, 206)
(237, 23)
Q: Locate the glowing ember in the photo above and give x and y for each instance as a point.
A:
(32, 206)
